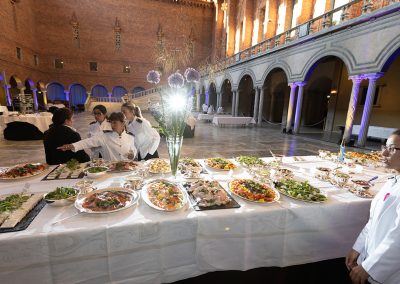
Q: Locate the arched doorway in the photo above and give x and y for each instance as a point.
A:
(99, 91)
(30, 94)
(326, 98)
(77, 96)
(3, 96)
(55, 93)
(212, 95)
(15, 86)
(137, 90)
(246, 96)
(226, 93)
(119, 92)
(276, 97)
(202, 95)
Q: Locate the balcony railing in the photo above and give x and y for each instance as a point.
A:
(106, 99)
(335, 17)
(145, 93)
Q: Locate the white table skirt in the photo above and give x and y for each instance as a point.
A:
(203, 116)
(221, 120)
(49, 105)
(143, 245)
(42, 122)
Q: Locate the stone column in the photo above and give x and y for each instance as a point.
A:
(218, 98)
(198, 96)
(299, 104)
(109, 97)
(35, 99)
(66, 92)
(357, 79)
(233, 102)
(260, 106)
(237, 103)
(369, 101)
(45, 98)
(289, 118)
(256, 101)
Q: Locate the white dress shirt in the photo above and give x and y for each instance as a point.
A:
(95, 128)
(379, 241)
(147, 138)
(114, 147)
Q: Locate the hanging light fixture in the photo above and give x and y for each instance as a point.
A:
(224, 6)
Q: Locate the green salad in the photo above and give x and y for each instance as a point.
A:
(12, 202)
(95, 170)
(61, 193)
(300, 190)
(250, 160)
(73, 164)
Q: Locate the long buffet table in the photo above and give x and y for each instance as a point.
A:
(143, 245)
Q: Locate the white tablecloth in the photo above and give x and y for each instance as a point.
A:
(55, 105)
(224, 120)
(143, 245)
(203, 116)
(42, 122)
(4, 110)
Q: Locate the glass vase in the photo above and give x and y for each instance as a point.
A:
(174, 145)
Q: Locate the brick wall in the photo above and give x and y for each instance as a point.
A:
(43, 27)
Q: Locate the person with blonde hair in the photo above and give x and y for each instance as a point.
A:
(147, 138)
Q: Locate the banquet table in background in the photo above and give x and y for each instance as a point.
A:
(223, 120)
(143, 245)
(42, 121)
(49, 105)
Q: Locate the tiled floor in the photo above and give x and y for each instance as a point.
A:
(208, 141)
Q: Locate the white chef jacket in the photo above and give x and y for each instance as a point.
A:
(379, 241)
(147, 138)
(96, 127)
(205, 107)
(114, 147)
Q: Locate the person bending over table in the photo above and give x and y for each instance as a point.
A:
(61, 132)
(100, 124)
(116, 144)
(147, 138)
(375, 256)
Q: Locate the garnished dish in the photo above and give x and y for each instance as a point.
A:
(159, 166)
(281, 173)
(207, 193)
(339, 178)
(122, 166)
(70, 170)
(300, 190)
(164, 195)
(189, 168)
(220, 164)
(22, 171)
(95, 172)
(61, 196)
(322, 173)
(106, 200)
(360, 188)
(14, 207)
(249, 161)
(364, 158)
(253, 191)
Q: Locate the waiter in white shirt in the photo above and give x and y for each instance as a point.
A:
(147, 138)
(116, 144)
(205, 108)
(98, 126)
(376, 253)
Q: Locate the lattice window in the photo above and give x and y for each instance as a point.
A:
(117, 31)
(75, 30)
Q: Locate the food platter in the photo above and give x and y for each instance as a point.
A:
(219, 164)
(159, 166)
(249, 161)
(300, 190)
(70, 170)
(164, 195)
(61, 196)
(22, 171)
(18, 210)
(106, 200)
(253, 191)
(122, 166)
(189, 168)
(209, 195)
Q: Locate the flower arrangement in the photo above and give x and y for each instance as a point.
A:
(176, 105)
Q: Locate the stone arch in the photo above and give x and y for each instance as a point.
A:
(226, 95)
(77, 95)
(246, 95)
(247, 72)
(280, 65)
(138, 89)
(314, 61)
(211, 94)
(393, 51)
(119, 91)
(15, 86)
(55, 92)
(226, 77)
(99, 91)
(14, 79)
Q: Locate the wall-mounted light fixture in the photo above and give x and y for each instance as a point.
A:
(224, 6)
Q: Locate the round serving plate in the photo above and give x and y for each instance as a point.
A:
(220, 170)
(157, 172)
(95, 175)
(123, 170)
(299, 199)
(277, 195)
(61, 202)
(81, 198)
(146, 198)
(24, 177)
